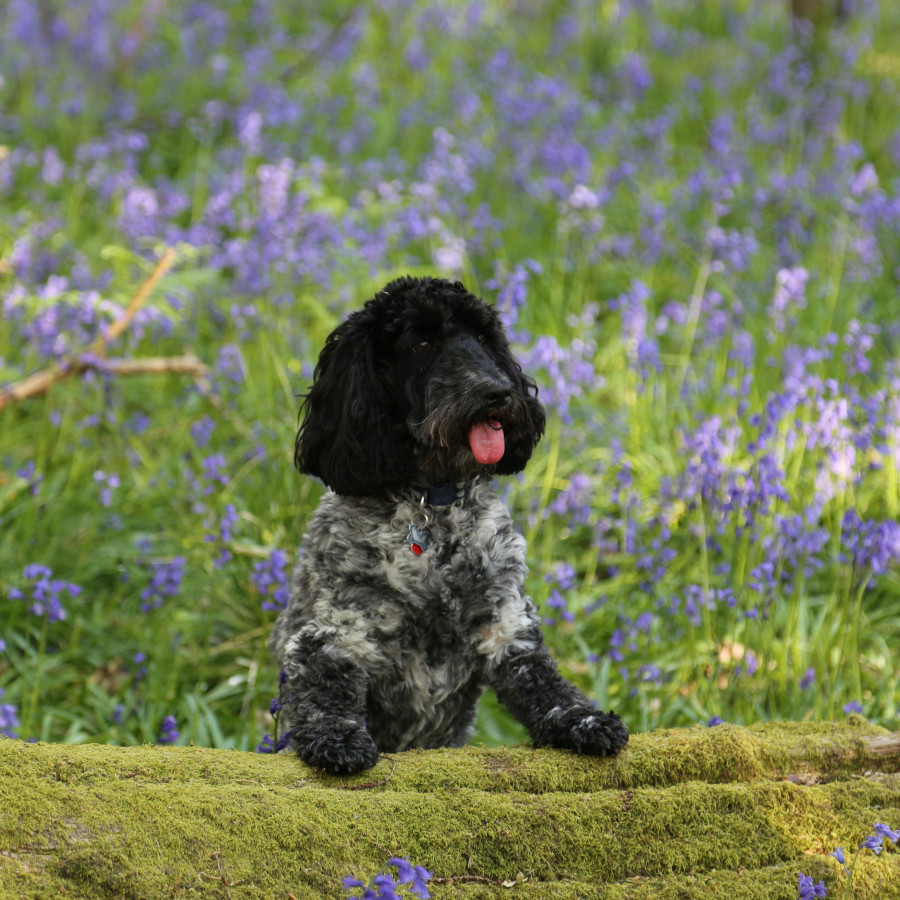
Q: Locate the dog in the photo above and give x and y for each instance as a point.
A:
(408, 597)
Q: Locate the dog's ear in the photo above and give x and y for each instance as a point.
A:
(350, 436)
(522, 439)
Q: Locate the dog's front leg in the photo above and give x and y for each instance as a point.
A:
(554, 711)
(324, 696)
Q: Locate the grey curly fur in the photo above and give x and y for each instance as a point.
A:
(383, 649)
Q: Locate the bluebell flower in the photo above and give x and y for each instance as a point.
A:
(166, 582)
(384, 887)
(215, 470)
(838, 854)
(8, 718)
(168, 732)
(44, 591)
(141, 671)
(886, 832)
(806, 890)
(108, 482)
(202, 430)
(416, 876)
(715, 720)
(854, 706)
(873, 842)
(271, 578)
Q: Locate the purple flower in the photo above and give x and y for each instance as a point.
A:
(202, 430)
(165, 582)
(8, 718)
(838, 854)
(108, 482)
(641, 347)
(230, 364)
(715, 720)
(44, 591)
(568, 371)
(513, 290)
(215, 469)
(887, 832)
(790, 293)
(271, 579)
(383, 886)
(266, 745)
(806, 890)
(635, 75)
(751, 664)
(874, 842)
(808, 679)
(168, 732)
(874, 545)
(226, 524)
(27, 472)
(416, 876)
(564, 575)
(854, 706)
(575, 503)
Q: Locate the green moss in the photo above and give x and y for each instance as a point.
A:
(677, 814)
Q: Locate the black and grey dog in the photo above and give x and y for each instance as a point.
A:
(407, 600)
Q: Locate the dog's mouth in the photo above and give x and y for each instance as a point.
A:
(487, 442)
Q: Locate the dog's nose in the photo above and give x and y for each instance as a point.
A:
(498, 393)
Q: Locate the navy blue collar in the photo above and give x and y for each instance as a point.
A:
(444, 494)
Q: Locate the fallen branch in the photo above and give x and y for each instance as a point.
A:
(39, 383)
(98, 348)
(94, 359)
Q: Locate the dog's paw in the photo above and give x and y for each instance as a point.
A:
(585, 730)
(345, 748)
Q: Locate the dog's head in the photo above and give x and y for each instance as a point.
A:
(418, 387)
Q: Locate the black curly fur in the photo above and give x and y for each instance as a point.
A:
(383, 649)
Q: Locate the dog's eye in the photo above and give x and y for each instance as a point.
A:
(482, 339)
(422, 346)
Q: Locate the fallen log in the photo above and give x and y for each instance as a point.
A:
(702, 812)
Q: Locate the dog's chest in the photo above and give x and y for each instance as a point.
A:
(394, 605)
(448, 592)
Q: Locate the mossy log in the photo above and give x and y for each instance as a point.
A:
(703, 812)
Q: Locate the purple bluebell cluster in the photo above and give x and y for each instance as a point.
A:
(43, 592)
(9, 720)
(166, 577)
(807, 889)
(874, 842)
(168, 731)
(282, 736)
(224, 536)
(271, 579)
(385, 887)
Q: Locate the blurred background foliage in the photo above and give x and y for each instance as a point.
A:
(687, 214)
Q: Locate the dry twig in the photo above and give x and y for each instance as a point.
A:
(40, 382)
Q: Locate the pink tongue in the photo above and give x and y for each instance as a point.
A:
(486, 441)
